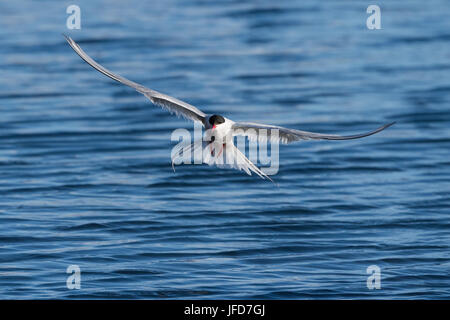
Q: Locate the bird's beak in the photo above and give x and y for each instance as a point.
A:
(214, 126)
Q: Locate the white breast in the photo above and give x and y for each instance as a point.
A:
(222, 131)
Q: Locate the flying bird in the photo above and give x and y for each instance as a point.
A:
(218, 148)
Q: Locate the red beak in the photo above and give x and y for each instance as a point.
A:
(214, 126)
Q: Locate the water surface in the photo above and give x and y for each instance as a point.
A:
(85, 174)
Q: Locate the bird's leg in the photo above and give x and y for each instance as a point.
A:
(210, 145)
(223, 145)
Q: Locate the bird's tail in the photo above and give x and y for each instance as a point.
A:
(232, 157)
(221, 155)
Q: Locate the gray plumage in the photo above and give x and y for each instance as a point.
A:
(174, 105)
(263, 132)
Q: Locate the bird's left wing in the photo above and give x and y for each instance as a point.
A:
(262, 132)
(174, 105)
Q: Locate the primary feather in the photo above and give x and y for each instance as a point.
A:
(180, 108)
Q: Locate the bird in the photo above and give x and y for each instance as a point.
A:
(217, 145)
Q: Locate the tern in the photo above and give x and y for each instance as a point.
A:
(220, 130)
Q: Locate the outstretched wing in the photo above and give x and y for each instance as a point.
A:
(262, 133)
(174, 105)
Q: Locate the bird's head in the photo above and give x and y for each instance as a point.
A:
(216, 120)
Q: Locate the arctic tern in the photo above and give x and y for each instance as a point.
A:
(220, 130)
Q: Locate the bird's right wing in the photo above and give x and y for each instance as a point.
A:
(262, 132)
(174, 105)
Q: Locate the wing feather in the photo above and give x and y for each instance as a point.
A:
(180, 108)
(263, 133)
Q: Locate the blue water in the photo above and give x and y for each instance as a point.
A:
(85, 174)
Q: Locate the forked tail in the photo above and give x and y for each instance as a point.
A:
(221, 155)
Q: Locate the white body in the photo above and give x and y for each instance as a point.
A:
(222, 132)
